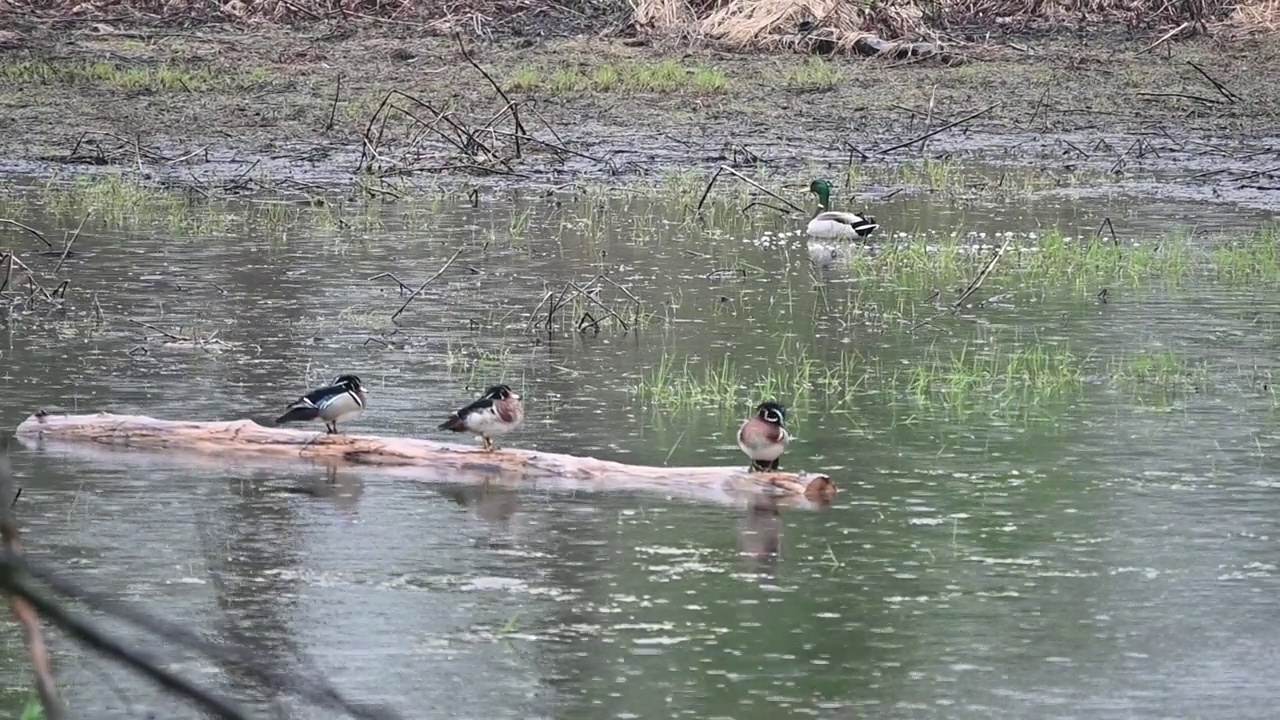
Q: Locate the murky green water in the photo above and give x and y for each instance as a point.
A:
(1100, 549)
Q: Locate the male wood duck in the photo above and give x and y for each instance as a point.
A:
(497, 412)
(763, 438)
(344, 399)
(835, 224)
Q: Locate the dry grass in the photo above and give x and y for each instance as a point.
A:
(665, 16)
(744, 24)
(771, 24)
(1259, 17)
(787, 23)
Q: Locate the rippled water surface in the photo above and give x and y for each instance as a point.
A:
(1006, 543)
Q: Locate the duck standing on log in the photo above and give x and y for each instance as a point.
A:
(763, 438)
(497, 412)
(342, 400)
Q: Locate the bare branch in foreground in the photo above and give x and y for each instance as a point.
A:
(22, 611)
(30, 603)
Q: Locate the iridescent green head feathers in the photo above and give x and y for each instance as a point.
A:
(822, 189)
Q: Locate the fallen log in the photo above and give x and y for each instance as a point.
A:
(423, 459)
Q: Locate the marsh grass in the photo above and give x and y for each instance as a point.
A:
(640, 77)
(1163, 370)
(813, 74)
(992, 375)
(1000, 377)
(1042, 261)
(166, 77)
(121, 201)
(480, 366)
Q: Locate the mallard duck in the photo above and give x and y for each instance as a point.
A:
(497, 412)
(763, 438)
(344, 399)
(835, 224)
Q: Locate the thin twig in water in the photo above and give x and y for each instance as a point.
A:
(968, 291)
(379, 276)
(942, 129)
(33, 231)
(427, 282)
(982, 276)
(67, 250)
(747, 180)
(166, 333)
(592, 298)
(1106, 225)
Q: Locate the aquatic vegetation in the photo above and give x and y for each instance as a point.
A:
(992, 377)
(664, 76)
(1042, 260)
(1164, 370)
(479, 364)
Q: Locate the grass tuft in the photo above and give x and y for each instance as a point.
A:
(814, 74)
(166, 77)
(665, 76)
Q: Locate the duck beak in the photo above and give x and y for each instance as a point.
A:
(515, 395)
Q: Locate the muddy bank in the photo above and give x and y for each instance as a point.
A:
(1195, 119)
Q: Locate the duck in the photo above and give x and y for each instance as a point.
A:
(343, 399)
(831, 224)
(763, 436)
(497, 412)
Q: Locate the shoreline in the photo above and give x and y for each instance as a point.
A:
(379, 110)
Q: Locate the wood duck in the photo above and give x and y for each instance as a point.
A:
(497, 412)
(763, 438)
(835, 224)
(344, 399)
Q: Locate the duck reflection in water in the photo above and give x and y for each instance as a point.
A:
(760, 531)
(491, 503)
(343, 489)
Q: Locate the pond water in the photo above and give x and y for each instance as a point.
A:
(1059, 505)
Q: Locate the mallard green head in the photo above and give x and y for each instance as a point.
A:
(822, 189)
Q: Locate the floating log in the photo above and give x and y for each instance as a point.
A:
(424, 459)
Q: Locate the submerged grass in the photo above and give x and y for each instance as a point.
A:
(1040, 261)
(988, 378)
(122, 201)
